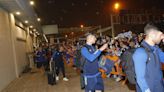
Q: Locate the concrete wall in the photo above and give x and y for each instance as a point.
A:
(19, 37)
(7, 65)
(15, 44)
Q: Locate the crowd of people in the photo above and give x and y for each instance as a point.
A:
(97, 48)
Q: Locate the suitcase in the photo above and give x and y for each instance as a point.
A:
(52, 74)
(51, 78)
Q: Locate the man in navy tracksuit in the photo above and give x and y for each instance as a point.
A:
(40, 58)
(57, 57)
(147, 62)
(92, 76)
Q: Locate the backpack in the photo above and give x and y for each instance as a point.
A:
(128, 64)
(82, 63)
(83, 59)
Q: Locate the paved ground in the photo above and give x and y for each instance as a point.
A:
(37, 82)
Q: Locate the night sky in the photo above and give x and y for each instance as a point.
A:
(73, 13)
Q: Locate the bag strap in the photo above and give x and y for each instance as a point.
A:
(147, 50)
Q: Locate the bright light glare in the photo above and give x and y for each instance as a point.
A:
(31, 26)
(18, 13)
(81, 26)
(32, 2)
(38, 19)
(116, 6)
(26, 21)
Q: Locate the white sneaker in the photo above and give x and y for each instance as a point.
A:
(57, 78)
(108, 76)
(65, 79)
(118, 79)
(114, 76)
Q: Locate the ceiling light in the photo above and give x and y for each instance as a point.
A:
(32, 2)
(18, 13)
(26, 21)
(34, 30)
(31, 26)
(38, 19)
